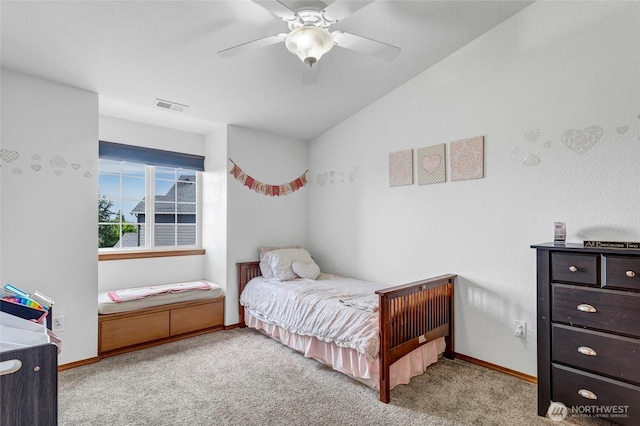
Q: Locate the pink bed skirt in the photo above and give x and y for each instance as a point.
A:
(350, 361)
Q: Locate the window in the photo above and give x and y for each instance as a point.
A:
(144, 206)
(175, 207)
(122, 206)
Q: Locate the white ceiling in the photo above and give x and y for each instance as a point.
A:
(131, 52)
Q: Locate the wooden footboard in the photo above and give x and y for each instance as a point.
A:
(410, 316)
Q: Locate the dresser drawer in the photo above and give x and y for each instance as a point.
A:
(614, 311)
(622, 272)
(616, 401)
(608, 354)
(575, 268)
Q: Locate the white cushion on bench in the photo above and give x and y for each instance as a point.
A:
(108, 306)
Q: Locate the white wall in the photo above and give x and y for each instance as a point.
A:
(214, 209)
(119, 274)
(118, 130)
(255, 220)
(553, 67)
(49, 194)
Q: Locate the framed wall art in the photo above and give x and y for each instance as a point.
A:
(431, 167)
(401, 168)
(467, 158)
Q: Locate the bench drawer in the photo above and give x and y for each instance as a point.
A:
(122, 332)
(198, 317)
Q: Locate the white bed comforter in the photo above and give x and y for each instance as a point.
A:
(331, 308)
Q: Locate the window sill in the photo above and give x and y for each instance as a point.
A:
(149, 254)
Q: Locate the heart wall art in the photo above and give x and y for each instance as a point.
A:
(432, 164)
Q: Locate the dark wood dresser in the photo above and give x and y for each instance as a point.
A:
(589, 331)
(29, 386)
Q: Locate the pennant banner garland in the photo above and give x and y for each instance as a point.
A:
(264, 188)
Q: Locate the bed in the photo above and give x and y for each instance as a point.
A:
(412, 323)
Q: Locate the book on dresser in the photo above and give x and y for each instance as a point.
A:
(611, 244)
(588, 320)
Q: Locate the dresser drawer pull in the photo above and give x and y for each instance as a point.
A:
(587, 394)
(586, 308)
(573, 268)
(631, 274)
(585, 350)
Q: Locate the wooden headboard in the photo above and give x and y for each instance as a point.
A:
(246, 272)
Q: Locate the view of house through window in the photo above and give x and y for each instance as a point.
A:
(175, 207)
(126, 218)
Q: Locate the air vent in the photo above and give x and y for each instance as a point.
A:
(173, 106)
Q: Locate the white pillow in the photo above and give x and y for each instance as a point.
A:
(276, 264)
(264, 250)
(309, 270)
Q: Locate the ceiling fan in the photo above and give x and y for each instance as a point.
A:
(309, 37)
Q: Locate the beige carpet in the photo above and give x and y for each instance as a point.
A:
(239, 377)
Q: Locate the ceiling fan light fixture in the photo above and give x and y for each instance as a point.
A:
(309, 43)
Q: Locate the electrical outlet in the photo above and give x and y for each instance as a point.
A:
(521, 329)
(58, 322)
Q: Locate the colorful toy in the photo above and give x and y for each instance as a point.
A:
(24, 301)
(16, 290)
(43, 300)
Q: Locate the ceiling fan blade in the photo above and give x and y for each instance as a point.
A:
(277, 8)
(339, 10)
(366, 45)
(250, 45)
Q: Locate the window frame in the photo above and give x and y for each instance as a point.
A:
(150, 250)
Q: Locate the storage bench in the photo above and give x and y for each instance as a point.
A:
(126, 331)
(149, 326)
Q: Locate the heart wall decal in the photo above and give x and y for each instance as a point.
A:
(431, 164)
(581, 141)
(9, 156)
(58, 162)
(532, 160)
(532, 135)
(322, 179)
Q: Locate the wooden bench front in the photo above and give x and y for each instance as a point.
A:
(126, 331)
